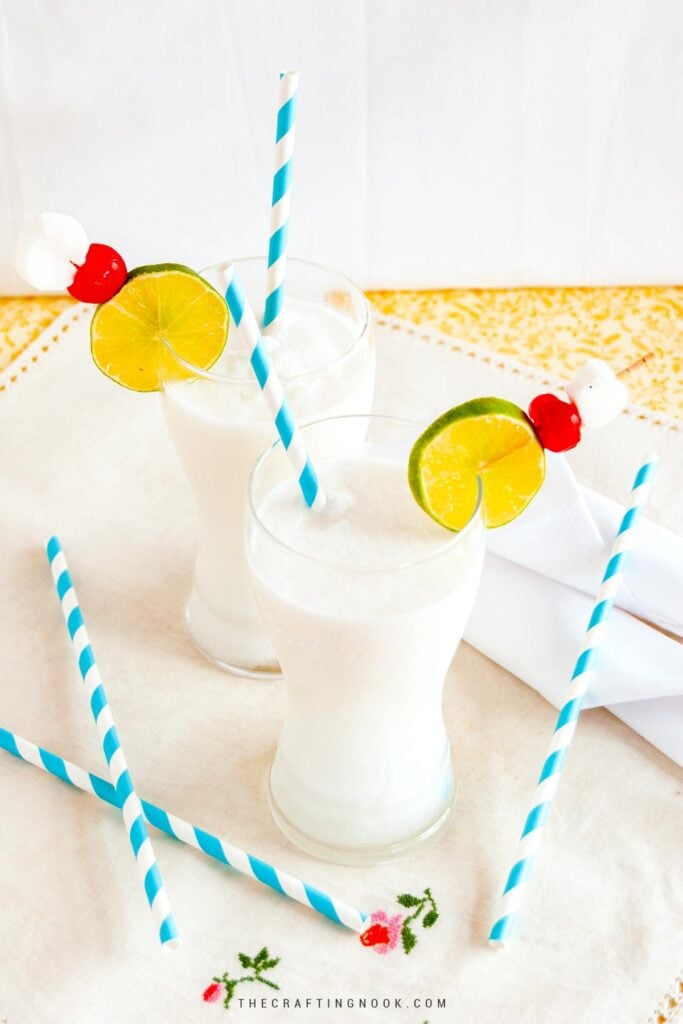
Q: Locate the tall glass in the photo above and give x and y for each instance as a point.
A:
(365, 603)
(219, 424)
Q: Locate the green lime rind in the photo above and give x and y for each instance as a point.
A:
(472, 409)
(159, 268)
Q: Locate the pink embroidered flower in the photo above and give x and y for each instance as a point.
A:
(383, 933)
(214, 992)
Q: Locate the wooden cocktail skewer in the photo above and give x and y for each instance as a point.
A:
(636, 365)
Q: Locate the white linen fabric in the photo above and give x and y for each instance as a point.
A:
(552, 560)
(449, 143)
(599, 936)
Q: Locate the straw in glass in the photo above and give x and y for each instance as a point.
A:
(269, 382)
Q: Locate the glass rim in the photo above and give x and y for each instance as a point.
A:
(453, 538)
(249, 380)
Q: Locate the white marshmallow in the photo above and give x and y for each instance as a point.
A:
(49, 245)
(597, 393)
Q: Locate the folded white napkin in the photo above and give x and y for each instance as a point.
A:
(540, 577)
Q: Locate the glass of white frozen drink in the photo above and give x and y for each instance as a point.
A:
(322, 349)
(365, 602)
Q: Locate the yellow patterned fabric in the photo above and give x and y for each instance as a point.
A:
(559, 328)
(554, 328)
(22, 319)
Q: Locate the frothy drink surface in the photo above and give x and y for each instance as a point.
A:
(370, 517)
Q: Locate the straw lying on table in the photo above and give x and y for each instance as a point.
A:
(269, 382)
(192, 835)
(565, 727)
(281, 197)
(127, 798)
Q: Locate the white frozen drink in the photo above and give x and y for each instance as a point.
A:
(365, 603)
(219, 425)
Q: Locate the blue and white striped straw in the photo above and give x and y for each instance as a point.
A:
(532, 833)
(126, 796)
(281, 198)
(245, 863)
(269, 382)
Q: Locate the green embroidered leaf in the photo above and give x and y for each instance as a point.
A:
(261, 962)
(406, 900)
(230, 986)
(407, 938)
(429, 919)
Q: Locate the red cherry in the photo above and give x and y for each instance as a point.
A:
(557, 423)
(100, 277)
(375, 935)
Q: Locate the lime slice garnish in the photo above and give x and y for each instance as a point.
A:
(488, 438)
(167, 301)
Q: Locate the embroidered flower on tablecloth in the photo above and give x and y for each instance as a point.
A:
(224, 986)
(383, 932)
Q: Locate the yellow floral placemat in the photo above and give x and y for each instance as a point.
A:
(553, 328)
(559, 328)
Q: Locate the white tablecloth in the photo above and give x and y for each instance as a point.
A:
(599, 937)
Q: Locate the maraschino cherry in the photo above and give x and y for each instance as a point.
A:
(54, 253)
(100, 277)
(557, 423)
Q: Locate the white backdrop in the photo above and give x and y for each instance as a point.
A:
(455, 142)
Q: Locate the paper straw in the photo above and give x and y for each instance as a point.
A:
(127, 798)
(282, 194)
(594, 636)
(245, 863)
(269, 382)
